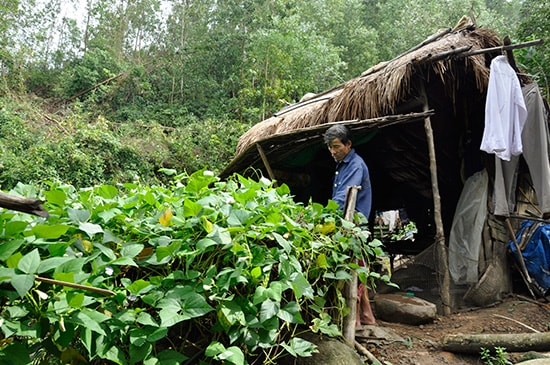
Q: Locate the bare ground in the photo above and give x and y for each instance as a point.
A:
(422, 344)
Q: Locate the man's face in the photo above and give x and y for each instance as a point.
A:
(339, 150)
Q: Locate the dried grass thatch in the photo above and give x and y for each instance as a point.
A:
(379, 90)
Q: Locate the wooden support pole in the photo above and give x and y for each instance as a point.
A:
(441, 249)
(351, 291)
(266, 163)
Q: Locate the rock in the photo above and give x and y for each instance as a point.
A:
(331, 352)
(404, 309)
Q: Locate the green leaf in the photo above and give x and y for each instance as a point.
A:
(49, 231)
(16, 353)
(139, 352)
(291, 313)
(109, 214)
(256, 272)
(301, 286)
(13, 260)
(75, 299)
(56, 197)
(206, 242)
(283, 242)
(30, 262)
(146, 319)
(11, 229)
(322, 261)
(51, 263)
(123, 261)
(22, 283)
(191, 209)
(221, 235)
(107, 191)
(106, 251)
(138, 287)
(157, 334)
(115, 354)
(8, 248)
(131, 250)
(300, 347)
(269, 309)
(91, 320)
(232, 355)
(233, 313)
(214, 348)
(78, 215)
(90, 229)
(167, 357)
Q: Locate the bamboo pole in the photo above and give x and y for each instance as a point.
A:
(442, 260)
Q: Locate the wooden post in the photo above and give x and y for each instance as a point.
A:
(266, 163)
(351, 291)
(441, 249)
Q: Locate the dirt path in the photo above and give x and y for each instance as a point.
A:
(419, 345)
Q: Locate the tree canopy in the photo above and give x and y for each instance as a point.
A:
(171, 66)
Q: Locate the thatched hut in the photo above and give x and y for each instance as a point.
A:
(443, 81)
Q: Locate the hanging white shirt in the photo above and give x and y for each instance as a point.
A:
(505, 112)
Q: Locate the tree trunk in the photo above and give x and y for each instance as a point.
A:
(512, 342)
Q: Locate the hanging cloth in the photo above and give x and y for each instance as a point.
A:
(536, 141)
(466, 232)
(505, 111)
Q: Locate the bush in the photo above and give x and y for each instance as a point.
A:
(229, 271)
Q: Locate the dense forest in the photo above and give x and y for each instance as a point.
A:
(113, 90)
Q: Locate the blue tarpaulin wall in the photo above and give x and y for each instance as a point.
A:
(536, 252)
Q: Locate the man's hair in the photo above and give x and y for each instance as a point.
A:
(339, 131)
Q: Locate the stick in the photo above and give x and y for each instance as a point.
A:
(367, 353)
(76, 286)
(502, 48)
(518, 322)
(441, 249)
(520, 256)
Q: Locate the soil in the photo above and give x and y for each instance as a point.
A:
(421, 344)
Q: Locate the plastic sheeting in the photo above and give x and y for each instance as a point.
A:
(536, 253)
(466, 231)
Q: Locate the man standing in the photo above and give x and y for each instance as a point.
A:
(351, 170)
